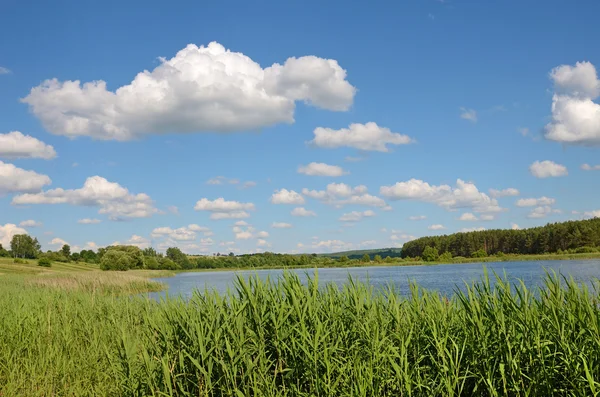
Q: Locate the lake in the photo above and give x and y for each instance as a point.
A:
(442, 278)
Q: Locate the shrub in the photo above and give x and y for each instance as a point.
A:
(430, 254)
(115, 260)
(152, 263)
(446, 257)
(19, 260)
(168, 264)
(45, 262)
(585, 250)
(479, 254)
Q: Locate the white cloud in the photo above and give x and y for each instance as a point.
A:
(486, 217)
(351, 159)
(243, 235)
(464, 195)
(285, 196)
(7, 232)
(4, 70)
(200, 89)
(547, 169)
(248, 184)
(16, 145)
(467, 216)
(471, 229)
(229, 215)
(262, 234)
(504, 192)
(113, 199)
(575, 115)
(587, 167)
(58, 241)
(321, 169)
(417, 218)
(367, 243)
(436, 227)
(173, 209)
(30, 223)
(514, 226)
(368, 137)
(223, 209)
(301, 211)
(136, 241)
(281, 225)
(185, 233)
(542, 212)
(241, 223)
(262, 243)
(592, 214)
(468, 114)
(221, 180)
(402, 237)
(340, 194)
(88, 221)
(534, 202)
(18, 180)
(333, 245)
(356, 216)
(226, 243)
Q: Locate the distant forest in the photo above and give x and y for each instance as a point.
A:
(571, 236)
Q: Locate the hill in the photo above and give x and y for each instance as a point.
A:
(358, 254)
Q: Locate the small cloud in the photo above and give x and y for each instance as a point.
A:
(547, 169)
(281, 225)
(514, 226)
(248, 184)
(173, 209)
(417, 218)
(468, 114)
(4, 70)
(30, 223)
(75, 165)
(88, 221)
(523, 131)
(351, 159)
(587, 167)
(436, 227)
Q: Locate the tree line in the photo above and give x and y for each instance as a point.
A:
(563, 237)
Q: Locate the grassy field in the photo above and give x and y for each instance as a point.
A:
(289, 339)
(79, 277)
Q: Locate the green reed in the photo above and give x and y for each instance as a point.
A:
(283, 338)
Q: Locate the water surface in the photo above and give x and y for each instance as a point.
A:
(442, 278)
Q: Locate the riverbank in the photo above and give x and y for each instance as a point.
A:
(292, 339)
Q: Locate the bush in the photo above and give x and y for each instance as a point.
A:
(168, 264)
(479, 254)
(446, 257)
(45, 262)
(585, 250)
(430, 254)
(152, 263)
(19, 260)
(115, 260)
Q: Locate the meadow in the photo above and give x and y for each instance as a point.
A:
(283, 338)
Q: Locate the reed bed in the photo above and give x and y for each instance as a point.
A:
(97, 282)
(283, 338)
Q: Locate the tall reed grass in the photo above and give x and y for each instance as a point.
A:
(283, 338)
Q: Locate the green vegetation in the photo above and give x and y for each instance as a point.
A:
(358, 254)
(45, 262)
(288, 339)
(566, 237)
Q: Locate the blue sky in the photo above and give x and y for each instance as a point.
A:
(367, 115)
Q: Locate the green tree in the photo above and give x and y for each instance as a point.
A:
(175, 254)
(446, 257)
(152, 263)
(378, 259)
(115, 260)
(24, 246)
(366, 258)
(430, 254)
(149, 252)
(66, 251)
(3, 253)
(343, 259)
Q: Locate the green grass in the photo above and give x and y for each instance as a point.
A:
(287, 339)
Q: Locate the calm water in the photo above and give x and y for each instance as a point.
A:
(443, 278)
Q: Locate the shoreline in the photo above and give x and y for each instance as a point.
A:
(488, 259)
